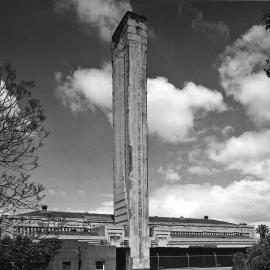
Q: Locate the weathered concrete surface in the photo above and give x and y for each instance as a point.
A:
(129, 46)
(67, 253)
(90, 254)
(218, 235)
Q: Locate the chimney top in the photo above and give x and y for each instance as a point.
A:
(44, 208)
(205, 217)
(129, 15)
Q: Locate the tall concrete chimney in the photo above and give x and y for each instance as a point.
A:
(129, 47)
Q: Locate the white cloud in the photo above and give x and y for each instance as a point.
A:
(102, 15)
(171, 111)
(196, 155)
(201, 170)
(107, 195)
(249, 153)
(54, 192)
(227, 131)
(197, 200)
(86, 89)
(81, 193)
(9, 104)
(62, 193)
(105, 207)
(50, 191)
(170, 175)
(242, 76)
(211, 29)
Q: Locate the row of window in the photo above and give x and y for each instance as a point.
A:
(208, 234)
(26, 230)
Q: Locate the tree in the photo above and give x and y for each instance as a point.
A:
(257, 257)
(240, 261)
(21, 135)
(21, 119)
(262, 230)
(266, 19)
(24, 253)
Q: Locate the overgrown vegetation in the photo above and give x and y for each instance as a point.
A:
(257, 257)
(25, 253)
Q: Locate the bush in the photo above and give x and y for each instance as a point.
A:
(240, 261)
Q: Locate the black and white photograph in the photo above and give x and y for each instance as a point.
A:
(134, 135)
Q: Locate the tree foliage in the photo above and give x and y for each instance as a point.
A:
(262, 230)
(240, 261)
(21, 119)
(266, 19)
(21, 135)
(18, 192)
(257, 257)
(24, 253)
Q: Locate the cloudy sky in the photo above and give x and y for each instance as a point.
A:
(208, 102)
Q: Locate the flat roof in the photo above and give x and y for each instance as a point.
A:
(108, 218)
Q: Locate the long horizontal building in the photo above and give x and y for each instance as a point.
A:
(163, 231)
(174, 242)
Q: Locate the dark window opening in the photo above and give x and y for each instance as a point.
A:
(66, 265)
(100, 265)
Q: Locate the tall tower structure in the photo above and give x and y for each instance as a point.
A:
(129, 47)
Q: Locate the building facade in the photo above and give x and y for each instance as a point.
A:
(92, 240)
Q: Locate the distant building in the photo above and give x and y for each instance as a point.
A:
(94, 239)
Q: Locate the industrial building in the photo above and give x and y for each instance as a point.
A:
(90, 240)
(130, 239)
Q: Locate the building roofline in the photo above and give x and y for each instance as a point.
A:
(110, 218)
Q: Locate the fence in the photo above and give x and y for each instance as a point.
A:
(167, 262)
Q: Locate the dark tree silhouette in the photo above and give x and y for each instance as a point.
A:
(17, 192)
(262, 230)
(257, 257)
(23, 252)
(266, 19)
(21, 119)
(21, 135)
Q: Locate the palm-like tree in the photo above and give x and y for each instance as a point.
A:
(262, 230)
